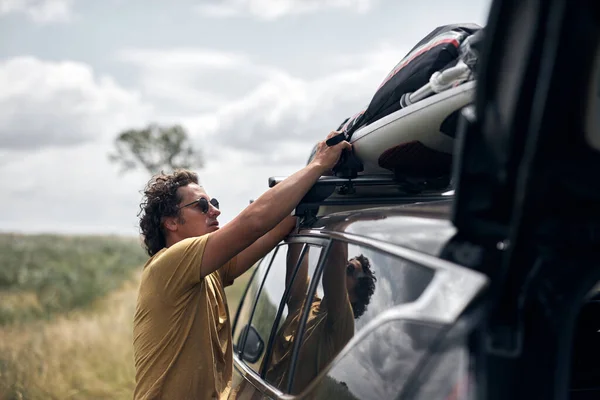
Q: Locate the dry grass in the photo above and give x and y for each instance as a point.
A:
(80, 356)
(42, 276)
(84, 355)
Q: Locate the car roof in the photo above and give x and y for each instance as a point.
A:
(424, 227)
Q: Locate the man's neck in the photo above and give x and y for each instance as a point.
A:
(171, 240)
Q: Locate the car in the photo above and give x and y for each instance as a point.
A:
(417, 296)
(488, 290)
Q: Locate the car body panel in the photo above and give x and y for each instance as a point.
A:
(424, 227)
(411, 235)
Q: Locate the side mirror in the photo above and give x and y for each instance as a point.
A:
(254, 346)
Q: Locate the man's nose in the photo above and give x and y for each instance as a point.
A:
(214, 211)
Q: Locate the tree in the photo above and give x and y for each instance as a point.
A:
(155, 148)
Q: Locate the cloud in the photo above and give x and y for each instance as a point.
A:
(181, 57)
(76, 190)
(61, 104)
(192, 80)
(70, 190)
(41, 11)
(252, 117)
(380, 364)
(287, 111)
(67, 113)
(231, 101)
(274, 9)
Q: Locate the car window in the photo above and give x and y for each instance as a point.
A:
(450, 374)
(267, 305)
(297, 282)
(380, 364)
(357, 284)
(247, 302)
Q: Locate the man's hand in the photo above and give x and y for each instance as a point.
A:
(268, 210)
(326, 156)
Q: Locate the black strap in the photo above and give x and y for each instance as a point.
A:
(332, 141)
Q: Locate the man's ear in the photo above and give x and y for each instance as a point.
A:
(170, 224)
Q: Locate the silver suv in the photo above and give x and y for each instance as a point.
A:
(490, 293)
(358, 306)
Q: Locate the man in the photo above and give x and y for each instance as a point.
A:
(182, 333)
(348, 285)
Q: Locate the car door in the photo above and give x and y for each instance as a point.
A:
(264, 310)
(527, 192)
(362, 337)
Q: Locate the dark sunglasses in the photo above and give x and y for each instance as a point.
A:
(203, 204)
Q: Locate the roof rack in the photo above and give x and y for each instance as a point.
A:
(403, 185)
(365, 180)
(366, 190)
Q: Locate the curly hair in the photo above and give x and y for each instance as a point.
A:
(161, 200)
(365, 287)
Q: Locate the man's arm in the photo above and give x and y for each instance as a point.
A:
(268, 210)
(334, 278)
(257, 250)
(300, 283)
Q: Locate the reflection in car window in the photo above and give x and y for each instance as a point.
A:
(279, 363)
(380, 364)
(269, 299)
(450, 377)
(357, 284)
(247, 303)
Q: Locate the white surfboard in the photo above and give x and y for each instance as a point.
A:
(420, 121)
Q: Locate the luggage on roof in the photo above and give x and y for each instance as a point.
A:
(408, 128)
(441, 50)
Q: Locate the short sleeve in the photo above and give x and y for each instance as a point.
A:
(227, 272)
(177, 268)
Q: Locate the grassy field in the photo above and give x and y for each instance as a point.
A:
(45, 275)
(67, 305)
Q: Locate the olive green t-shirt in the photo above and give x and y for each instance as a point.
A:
(181, 328)
(325, 335)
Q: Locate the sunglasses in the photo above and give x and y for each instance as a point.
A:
(203, 204)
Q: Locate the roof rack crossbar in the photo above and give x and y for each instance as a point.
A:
(371, 180)
(375, 200)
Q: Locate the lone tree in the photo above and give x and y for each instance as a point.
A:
(155, 148)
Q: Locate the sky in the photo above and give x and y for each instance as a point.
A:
(255, 83)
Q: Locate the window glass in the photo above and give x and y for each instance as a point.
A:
(287, 328)
(380, 364)
(267, 305)
(247, 303)
(451, 376)
(357, 284)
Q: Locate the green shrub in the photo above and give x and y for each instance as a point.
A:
(41, 275)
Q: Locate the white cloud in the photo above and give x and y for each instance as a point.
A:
(267, 130)
(181, 57)
(192, 80)
(258, 109)
(61, 104)
(76, 190)
(273, 9)
(41, 11)
(288, 111)
(251, 120)
(218, 10)
(70, 190)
